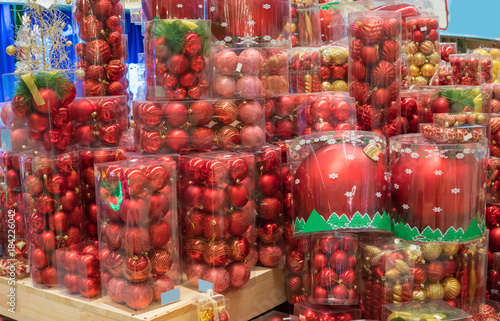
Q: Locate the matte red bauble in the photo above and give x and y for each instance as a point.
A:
(219, 277)
(135, 240)
(237, 195)
(161, 285)
(116, 289)
(81, 110)
(138, 295)
(49, 277)
(39, 258)
(159, 233)
(239, 274)
(47, 241)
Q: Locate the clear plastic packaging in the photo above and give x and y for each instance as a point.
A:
(493, 184)
(466, 69)
(410, 108)
(250, 73)
(333, 262)
(446, 49)
(138, 238)
(217, 213)
(308, 26)
(453, 135)
(374, 70)
(54, 216)
(428, 309)
(312, 312)
(495, 55)
(334, 67)
(443, 76)
(177, 54)
(173, 9)
(450, 207)
(100, 47)
(198, 125)
(329, 188)
(422, 48)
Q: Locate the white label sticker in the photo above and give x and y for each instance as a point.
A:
(45, 3)
(423, 29)
(238, 67)
(468, 136)
(437, 316)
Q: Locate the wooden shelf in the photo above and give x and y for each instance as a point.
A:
(266, 289)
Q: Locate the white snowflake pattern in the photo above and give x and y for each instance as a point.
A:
(376, 158)
(455, 191)
(406, 206)
(333, 176)
(466, 151)
(266, 38)
(460, 155)
(414, 155)
(251, 23)
(212, 9)
(297, 147)
(407, 150)
(378, 194)
(386, 178)
(200, 6)
(323, 138)
(350, 157)
(228, 39)
(266, 6)
(302, 142)
(180, 5)
(396, 186)
(437, 209)
(408, 171)
(297, 181)
(316, 140)
(224, 24)
(331, 141)
(349, 194)
(220, 42)
(438, 172)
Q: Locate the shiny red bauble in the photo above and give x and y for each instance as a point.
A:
(161, 284)
(137, 268)
(39, 258)
(88, 264)
(71, 282)
(49, 101)
(81, 110)
(90, 286)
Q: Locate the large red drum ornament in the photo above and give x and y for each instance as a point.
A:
(437, 188)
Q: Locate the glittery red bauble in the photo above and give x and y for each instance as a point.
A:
(39, 258)
(83, 135)
(161, 284)
(90, 28)
(138, 295)
(94, 88)
(71, 282)
(270, 255)
(19, 106)
(371, 30)
(98, 51)
(239, 248)
(193, 223)
(215, 227)
(103, 8)
(135, 240)
(50, 101)
(178, 64)
(270, 208)
(72, 237)
(55, 184)
(71, 259)
(201, 113)
(114, 262)
(319, 261)
(159, 233)
(219, 277)
(197, 64)
(47, 241)
(216, 253)
(161, 261)
(239, 274)
(270, 232)
(175, 113)
(202, 138)
(116, 289)
(435, 271)
(315, 168)
(239, 221)
(49, 277)
(383, 74)
(88, 264)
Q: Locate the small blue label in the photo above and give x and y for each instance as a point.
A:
(170, 296)
(204, 286)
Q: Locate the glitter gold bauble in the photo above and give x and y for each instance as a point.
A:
(340, 85)
(80, 74)
(451, 287)
(326, 86)
(11, 50)
(392, 274)
(418, 295)
(339, 55)
(450, 249)
(402, 267)
(409, 58)
(414, 71)
(398, 289)
(435, 58)
(428, 70)
(419, 59)
(431, 251)
(434, 291)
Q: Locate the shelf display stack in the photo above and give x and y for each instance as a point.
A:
(374, 70)
(138, 238)
(494, 53)
(100, 47)
(443, 75)
(447, 217)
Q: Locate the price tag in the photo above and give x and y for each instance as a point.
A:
(170, 296)
(423, 29)
(238, 67)
(468, 136)
(437, 317)
(204, 286)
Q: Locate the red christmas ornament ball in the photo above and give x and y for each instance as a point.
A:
(239, 222)
(138, 295)
(81, 110)
(270, 255)
(161, 261)
(116, 289)
(239, 274)
(435, 271)
(49, 277)
(71, 281)
(90, 286)
(178, 64)
(135, 240)
(494, 245)
(50, 101)
(219, 277)
(159, 233)
(161, 284)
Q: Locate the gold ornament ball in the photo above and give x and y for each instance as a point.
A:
(434, 291)
(398, 289)
(11, 50)
(294, 27)
(80, 74)
(69, 43)
(340, 85)
(418, 295)
(450, 249)
(428, 70)
(414, 71)
(326, 86)
(420, 81)
(431, 251)
(419, 59)
(68, 1)
(451, 287)
(435, 58)
(409, 59)
(339, 55)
